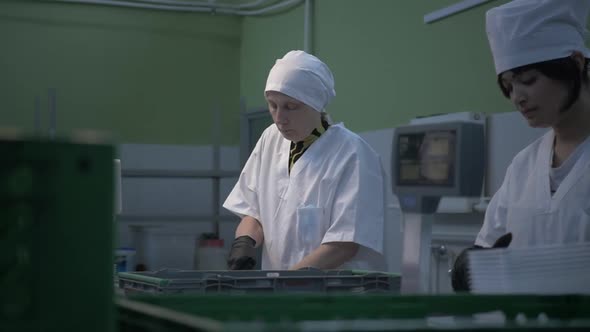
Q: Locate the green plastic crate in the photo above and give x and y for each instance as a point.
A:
(56, 236)
(362, 313)
(266, 281)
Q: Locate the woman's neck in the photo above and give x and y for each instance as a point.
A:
(572, 130)
(574, 126)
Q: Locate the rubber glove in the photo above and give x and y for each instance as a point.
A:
(242, 255)
(460, 272)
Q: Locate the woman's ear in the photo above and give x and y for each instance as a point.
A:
(579, 59)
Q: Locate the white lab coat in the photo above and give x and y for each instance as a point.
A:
(524, 206)
(335, 192)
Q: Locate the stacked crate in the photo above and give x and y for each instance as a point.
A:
(56, 236)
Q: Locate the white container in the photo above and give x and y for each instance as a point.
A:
(169, 248)
(210, 255)
(124, 260)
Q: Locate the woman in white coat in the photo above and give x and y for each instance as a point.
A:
(542, 65)
(311, 193)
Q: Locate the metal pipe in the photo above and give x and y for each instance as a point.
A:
(214, 10)
(307, 27)
(52, 113)
(452, 10)
(116, 3)
(276, 7)
(216, 202)
(253, 4)
(37, 116)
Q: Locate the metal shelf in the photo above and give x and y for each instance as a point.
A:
(181, 218)
(178, 174)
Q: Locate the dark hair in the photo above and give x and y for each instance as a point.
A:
(564, 70)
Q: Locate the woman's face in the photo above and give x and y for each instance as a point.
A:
(537, 97)
(294, 119)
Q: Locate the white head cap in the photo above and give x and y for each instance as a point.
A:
(524, 32)
(304, 77)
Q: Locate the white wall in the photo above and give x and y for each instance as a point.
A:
(159, 214)
(163, 212)
(163, 217)
(380, 141)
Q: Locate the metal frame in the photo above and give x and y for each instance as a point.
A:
(246, 119)
(452, 10)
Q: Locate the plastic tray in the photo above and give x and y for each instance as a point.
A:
(240, 282)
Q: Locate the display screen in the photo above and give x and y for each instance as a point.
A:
(427, 158)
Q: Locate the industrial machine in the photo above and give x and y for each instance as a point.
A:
(430, 161)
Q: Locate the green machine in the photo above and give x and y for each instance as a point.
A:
(56, 236)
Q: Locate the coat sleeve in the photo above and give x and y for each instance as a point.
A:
(494, 223)
(358, 211)
(243, 199)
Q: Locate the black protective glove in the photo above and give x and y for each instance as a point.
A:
(460, 273)
(242, 255)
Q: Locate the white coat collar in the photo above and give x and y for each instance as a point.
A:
(541, 172)
(309, 155)
(543, 192)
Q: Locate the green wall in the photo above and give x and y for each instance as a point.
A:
(388, 65)
(144, 76)
(264, 39)
(157, 77)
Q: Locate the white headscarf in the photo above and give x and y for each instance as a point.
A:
(304, 77)
(524, 32)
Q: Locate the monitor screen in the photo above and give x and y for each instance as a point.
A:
(427, 158)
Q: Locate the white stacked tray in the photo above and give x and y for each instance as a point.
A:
(556, 269)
